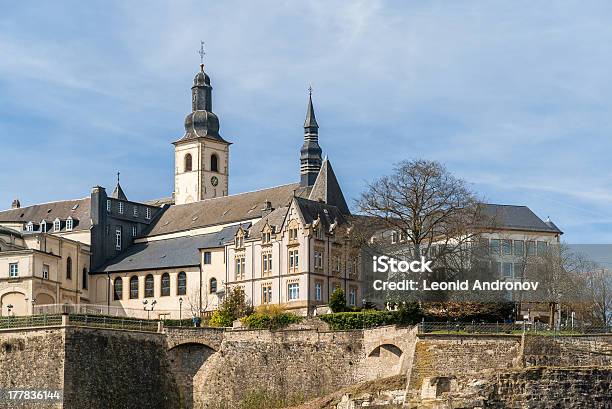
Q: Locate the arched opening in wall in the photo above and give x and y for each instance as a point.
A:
(13, 303)
(188, 162)
(44, 299)
(214, 163)
(213, 285)
(69, 268)
(134, 288)
(149, 286)
(186, 360)
(165, 285)
(385, 360)
(181, 283)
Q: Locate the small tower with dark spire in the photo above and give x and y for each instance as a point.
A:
(310, 154)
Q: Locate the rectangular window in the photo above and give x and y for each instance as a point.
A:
(293, 233)
(266, 294)
(352, 299)
(484, 246)
(507, 270)
(69, 224)
(45, 271)
(519, 248)
(207, 257)
(294, 261)
(542, 246)
(135, 212)
(293, 291)
(107, 229)
(134, 231)
(393, 237)
(108, 206)
(494, 246)
(507, 247)
(496, 267)
(13, 270)
(266, 261)
(57, 225)
(519, 270)
(531, 248)
(118, 238)
(318, 287)
(240, 264)
(148, 213)
(318, 259)
(120, 207)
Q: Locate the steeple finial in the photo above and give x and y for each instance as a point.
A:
(310, 154)
(118, 174)
(202, 54)
(311, 121)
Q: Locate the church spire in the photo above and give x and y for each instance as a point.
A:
(310, 154)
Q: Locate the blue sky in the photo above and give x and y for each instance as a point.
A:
(514, 97)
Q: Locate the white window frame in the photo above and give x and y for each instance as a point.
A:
(43, 226)
(318, 290)
(134, 231)
(109, 205)
(120, 208)
(393, 237)
(57, 224)
(352, 296)
(13, 270)
(293, 291)
(45, 271)
(118, 238)
(30, 226)
(147, 213)
(69, 224)
(135, 211)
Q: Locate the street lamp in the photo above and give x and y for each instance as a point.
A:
(148, 308)
(180, 311)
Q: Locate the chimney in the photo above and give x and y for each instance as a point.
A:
(16, 204)
(267, 209)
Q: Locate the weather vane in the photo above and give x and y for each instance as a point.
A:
(202, 53)
(310, 90)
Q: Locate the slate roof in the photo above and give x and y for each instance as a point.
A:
(515, 218)
(274, 219)
(327, 188)
(168, 253)
(78, 209)
(118, 193)
(312, 210)
(222, 210)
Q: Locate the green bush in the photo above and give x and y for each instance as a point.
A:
(263, 320)
(233, 306)
(369, 319)
(337, 301)
(221, 318)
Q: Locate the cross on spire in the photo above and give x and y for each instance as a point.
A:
(202, 53)
(118, 174)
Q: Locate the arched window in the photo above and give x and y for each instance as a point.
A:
(69, 268)
(118, 289)
(182, 283)
(165, 285)
(188, 165)
(149, 286)
(213, 285)
(84, 278)
(214, 163)
(133, 287)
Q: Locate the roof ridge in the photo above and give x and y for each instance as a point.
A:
(44, 203)
(239, 194)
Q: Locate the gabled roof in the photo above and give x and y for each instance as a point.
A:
(275, 220)
(327, 188)
(512, 217)
(311, 211)
(78, 209)
(222, 210)
(168, 253)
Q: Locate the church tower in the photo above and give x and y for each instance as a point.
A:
(310, 154)
(201, 156)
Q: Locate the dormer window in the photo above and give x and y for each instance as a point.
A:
(148, 213)
(30, 226)
(57, 225)
(266, 237)
(120, 207)
(108, 205)
(135, 212)
(239, 241)
(319, 233)
(69, 224)
(43, 226)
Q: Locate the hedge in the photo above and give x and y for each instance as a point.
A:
(262, 320)
(368, 319)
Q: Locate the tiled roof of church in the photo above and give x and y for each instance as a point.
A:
(78, 209)
(168, 253)
(222, 210)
